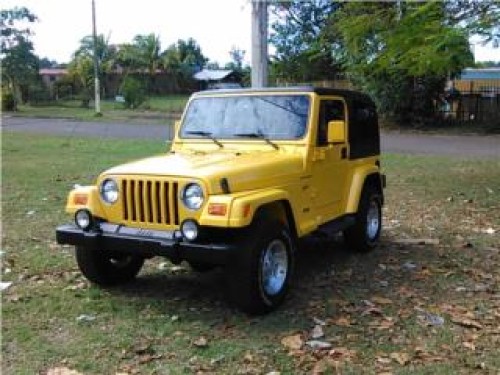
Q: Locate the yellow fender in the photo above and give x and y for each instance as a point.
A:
(244, 208)
(85, 197)
(356, 187)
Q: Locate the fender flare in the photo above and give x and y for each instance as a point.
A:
(243, 209)
(360, 176)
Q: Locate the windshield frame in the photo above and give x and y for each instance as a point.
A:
(181, 133)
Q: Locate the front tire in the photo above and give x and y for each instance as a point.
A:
(364, 235)
(260, 278)
(106, 269)
(201, 267)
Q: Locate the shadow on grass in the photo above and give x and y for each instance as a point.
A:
(328, 277)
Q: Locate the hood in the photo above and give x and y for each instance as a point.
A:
(243, 170)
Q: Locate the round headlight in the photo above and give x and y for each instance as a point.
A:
(83, 219)
(192, 196)
(189, 230)
(109, 191)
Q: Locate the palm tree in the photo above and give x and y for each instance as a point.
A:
(81, 69)
(147, 49)
(106, 56)
(128, 58)
(106, 53)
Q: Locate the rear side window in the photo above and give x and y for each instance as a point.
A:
(364, 135)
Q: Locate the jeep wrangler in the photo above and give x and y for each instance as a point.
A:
(249, 172)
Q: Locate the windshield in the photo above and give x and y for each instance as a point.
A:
(270, 116)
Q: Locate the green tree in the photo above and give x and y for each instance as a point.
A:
(476, 17)
(133, 92)
(106, 53)
(488, 64)
(148, 49)
(47, 63)
(127, 58)
(185, 57)
(403, 52)
(20, 69)
(147, 55)
(236, 64)
(171, 60)
(10, 30)
(81, 66)
(19, 64)
(213, 65)
(237, 57)
(81, 70)
(302, 51)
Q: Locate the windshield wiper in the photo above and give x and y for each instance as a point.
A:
(258, 135)
(206, 135)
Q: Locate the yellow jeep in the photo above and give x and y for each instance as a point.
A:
(249, 172)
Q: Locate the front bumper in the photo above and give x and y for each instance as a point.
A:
(175, 249)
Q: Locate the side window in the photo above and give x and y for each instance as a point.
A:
(364, 136)
(329, 110)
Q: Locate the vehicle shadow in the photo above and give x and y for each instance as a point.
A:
(329, 277)
(321, 268)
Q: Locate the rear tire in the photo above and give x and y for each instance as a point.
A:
(260, 278)
(107, 269)
(364, 235)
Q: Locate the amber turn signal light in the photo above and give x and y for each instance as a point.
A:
(80, 199)
(217, 209)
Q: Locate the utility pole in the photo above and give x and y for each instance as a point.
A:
(97, 90)
(259, 43)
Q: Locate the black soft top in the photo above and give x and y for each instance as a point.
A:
(326, 91)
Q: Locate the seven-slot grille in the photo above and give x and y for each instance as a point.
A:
(150, 201)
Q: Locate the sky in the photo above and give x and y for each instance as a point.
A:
(217, 25)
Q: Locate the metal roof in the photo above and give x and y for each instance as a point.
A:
(52, 71)
(211, 75)
(486, 73)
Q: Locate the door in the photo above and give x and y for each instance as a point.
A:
(329, 164)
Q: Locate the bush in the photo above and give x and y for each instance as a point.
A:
(64, 89)
(39, 95)
(133, 92)
(8, 101)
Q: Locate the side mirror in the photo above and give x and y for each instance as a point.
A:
(336, 131)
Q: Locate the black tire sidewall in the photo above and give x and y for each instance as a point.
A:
(201, 267)
(245, 272)
(97, 267)
(284, 236)
(357, 236)
(372, 196)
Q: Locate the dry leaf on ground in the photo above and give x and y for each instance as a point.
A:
(381, 300)
(401, 358)
(200, 342)
(467, 323)
(342, 322)
(293, 342)
(62, 371)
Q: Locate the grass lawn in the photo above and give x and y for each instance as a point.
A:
(426, 302)
(154, 110)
